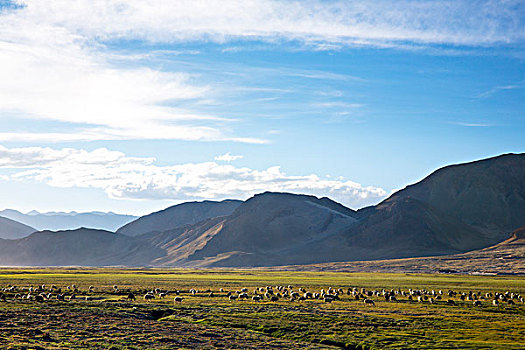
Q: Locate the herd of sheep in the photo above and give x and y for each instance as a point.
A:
(45, 293)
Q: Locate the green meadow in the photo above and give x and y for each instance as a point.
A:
(104, 318)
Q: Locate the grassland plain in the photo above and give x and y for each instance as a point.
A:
(107, 320)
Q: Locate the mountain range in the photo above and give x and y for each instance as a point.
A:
(455, 209)
(56, 221)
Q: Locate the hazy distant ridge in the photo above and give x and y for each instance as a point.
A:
(55, 221)
(11, 229)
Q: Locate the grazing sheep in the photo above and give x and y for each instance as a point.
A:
(162, 295)
(211, 295)
(369, 302)
(178, 299)
(256, 298)
(39, 298)
(476, 303)
(149, 296)
(232, 297)
(274, 298)
(495, 302)
(131, 297)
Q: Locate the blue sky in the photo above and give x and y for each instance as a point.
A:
(132, 106)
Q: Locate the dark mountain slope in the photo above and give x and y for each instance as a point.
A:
(179, 215)
(455, 209)
(507, 257)
(85, 247)
(488, 194)
(516, 240)
(10, 229)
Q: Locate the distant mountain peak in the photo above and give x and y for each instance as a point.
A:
(179, 215)
(68, 220)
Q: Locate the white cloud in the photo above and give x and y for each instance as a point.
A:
(140, 178)
(54, 64)
(327, 23)
(227, 157)
(50, 72)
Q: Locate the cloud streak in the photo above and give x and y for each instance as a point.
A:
(358, 22)
(497, 89)
(125, 177)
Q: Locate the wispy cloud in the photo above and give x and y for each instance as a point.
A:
(497, 89)
(471, 124)
(227, 157)
(337, 104)
(460, 22)
(125, 177)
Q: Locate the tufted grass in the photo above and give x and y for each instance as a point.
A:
(108, 320)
